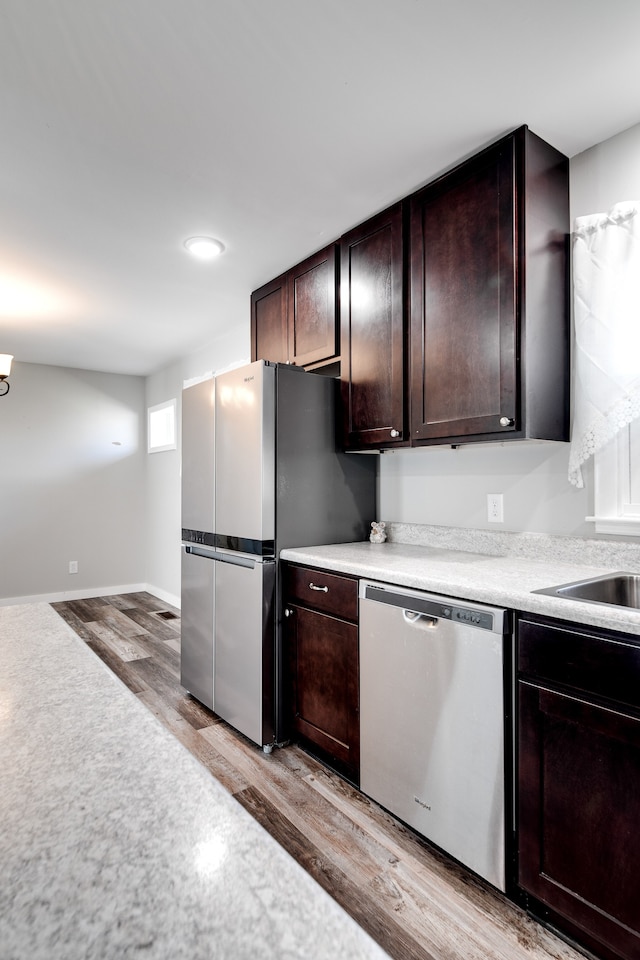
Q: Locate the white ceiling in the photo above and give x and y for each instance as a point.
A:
(129, 125)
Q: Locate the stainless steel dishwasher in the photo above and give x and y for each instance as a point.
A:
(432, 719)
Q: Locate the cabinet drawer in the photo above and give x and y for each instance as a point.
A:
(320, 590)
(607, 667)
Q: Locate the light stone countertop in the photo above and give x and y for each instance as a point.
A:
(506, 581)
(115, 842)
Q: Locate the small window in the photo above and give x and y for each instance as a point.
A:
(161, 427)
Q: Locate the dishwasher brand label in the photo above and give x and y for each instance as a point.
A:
(421, 803)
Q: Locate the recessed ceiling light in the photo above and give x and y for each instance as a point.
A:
(205, 248)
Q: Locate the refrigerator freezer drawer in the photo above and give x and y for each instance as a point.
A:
(245, 646)
(196, 639)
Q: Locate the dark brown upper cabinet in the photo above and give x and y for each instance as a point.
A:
(294, 317)
(313, 309)
(372, 321)
(269, 327)
(488, 288)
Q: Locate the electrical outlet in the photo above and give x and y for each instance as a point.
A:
(495, 508)
(73, 566)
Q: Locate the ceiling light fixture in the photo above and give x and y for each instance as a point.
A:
(205, 248)
(5, 370)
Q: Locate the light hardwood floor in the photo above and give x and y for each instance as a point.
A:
(412, 901)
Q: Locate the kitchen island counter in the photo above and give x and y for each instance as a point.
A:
(498, 580)
(116, 842)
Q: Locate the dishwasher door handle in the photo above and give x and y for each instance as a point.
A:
(413, 618)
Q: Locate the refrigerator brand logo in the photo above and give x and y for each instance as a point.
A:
(421, 803)
(247, 379)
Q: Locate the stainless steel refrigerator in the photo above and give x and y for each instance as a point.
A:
(261, 463)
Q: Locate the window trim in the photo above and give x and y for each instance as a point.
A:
(614, 511)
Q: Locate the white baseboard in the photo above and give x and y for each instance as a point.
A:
(163, 595)
(87, 594)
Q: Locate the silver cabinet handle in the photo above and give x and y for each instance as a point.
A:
(312, 586)
(506, 422)
(395, 433)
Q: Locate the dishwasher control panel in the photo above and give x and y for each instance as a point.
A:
(461, 614)
(431, 605)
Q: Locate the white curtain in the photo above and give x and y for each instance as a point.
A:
(606, 285)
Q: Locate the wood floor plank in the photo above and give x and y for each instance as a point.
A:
(160, 678)
(74, 621)
(195, 713)
(122, 601)
(160, 629)
(127, 648)
(161, 653)
(120, 621)
(146, 601)
(119, 667)
(174, 643)
(88, 610)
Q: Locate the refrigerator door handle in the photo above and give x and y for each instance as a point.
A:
(200, 551)
(235, 561)
(210, 554)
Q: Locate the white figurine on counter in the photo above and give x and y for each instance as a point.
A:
(377, 534)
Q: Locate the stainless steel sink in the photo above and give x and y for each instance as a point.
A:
(617, 589)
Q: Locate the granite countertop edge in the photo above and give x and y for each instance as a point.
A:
(506, 581)
(118, 841)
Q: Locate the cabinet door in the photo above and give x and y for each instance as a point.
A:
(463, 300)
(372, 331)
(313, 292)
(579, 810)
(269, 331)
(324, 666)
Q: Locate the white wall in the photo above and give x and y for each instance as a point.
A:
(450, 487)
(163, 469)
(606, 174)
(72, 480)
(444, 486)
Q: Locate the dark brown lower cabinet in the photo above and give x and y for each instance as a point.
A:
(579, 784)
(322, 654)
